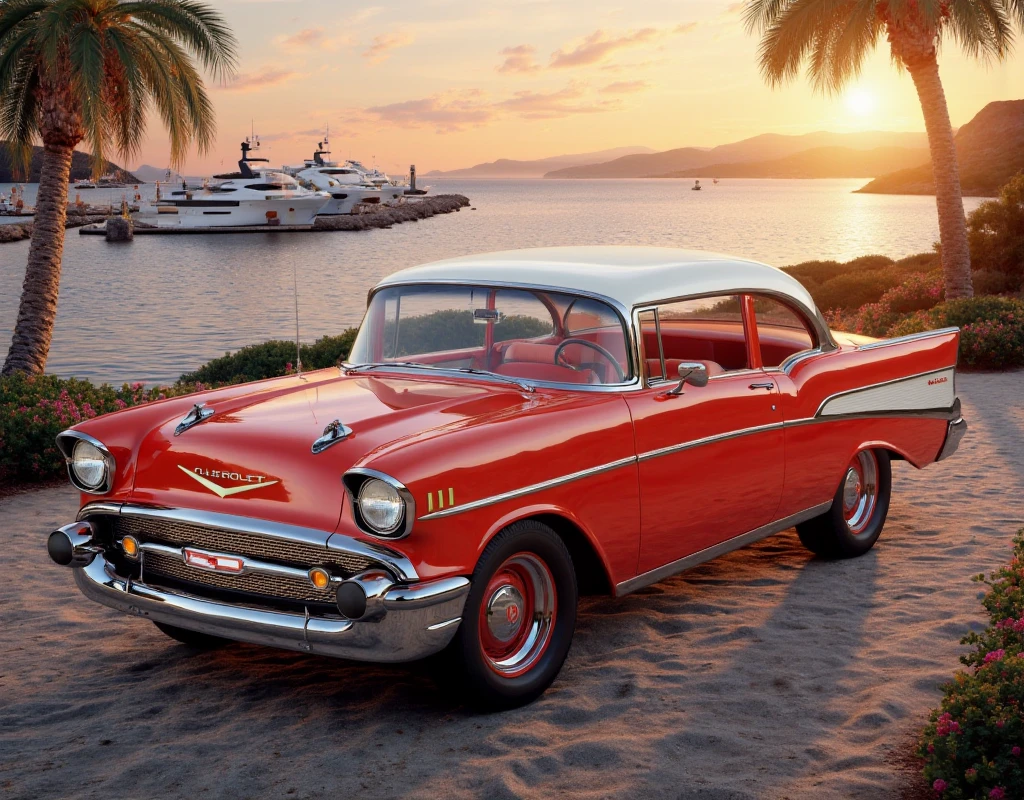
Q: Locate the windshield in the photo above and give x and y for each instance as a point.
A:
(524, 334)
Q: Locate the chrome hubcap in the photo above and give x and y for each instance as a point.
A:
(505, 612)
(860, 491)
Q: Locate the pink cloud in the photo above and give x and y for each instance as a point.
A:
(261, 79)
(599, 45)
(625, 87)
(382, 46)
(519, 59)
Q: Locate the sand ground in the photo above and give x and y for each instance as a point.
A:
(764, 674)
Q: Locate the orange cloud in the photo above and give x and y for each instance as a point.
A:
(312, 39)
(384, 44)
(598, 46)
(262, 79)
(563, 103)
(625, 87)
(519, 59)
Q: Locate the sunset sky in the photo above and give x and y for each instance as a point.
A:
(450, 83)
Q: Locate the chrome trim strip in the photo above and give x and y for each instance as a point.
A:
(531, 489)
(870, 386)
(718, 437)
(954, 433)
(249, 565)
(67, 449)
(910, 337)
(352, 490)
(398, 563)
(708, 553)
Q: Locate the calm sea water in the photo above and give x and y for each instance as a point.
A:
(159, 306)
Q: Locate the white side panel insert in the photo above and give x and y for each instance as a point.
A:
(922, 392)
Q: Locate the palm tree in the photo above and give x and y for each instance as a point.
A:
(90, 70)
(834, 36)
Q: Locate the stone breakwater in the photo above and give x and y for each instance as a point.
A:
(15, 233)
(386, 216)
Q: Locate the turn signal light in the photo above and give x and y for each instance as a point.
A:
(320, 577)
(130, 546)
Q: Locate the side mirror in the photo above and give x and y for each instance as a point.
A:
(690, 372)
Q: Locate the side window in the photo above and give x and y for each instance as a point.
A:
(781, 331)
(706, 329)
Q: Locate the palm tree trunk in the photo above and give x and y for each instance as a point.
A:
(38, 310)
(956, 254)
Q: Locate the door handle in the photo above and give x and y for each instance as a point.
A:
(764, 385)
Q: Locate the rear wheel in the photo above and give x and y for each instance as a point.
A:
(519, 618)
(853, 523)
(194, 639)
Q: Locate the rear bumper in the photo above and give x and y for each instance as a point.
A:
(955, 431)
(419, 619)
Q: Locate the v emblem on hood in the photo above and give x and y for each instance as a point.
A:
(224, 491)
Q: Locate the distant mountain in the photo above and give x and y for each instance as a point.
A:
(766, 147)
(81, 167)
(509, 168)
(989, 148)
(818, 162)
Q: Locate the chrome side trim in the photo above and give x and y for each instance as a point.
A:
(395, 561)
(954, 433)
(910, 337)
(531, 489)
(353, 481)
(66, 444)
(718, 437)
(708, 553)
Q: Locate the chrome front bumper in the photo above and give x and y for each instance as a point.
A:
(418, 619)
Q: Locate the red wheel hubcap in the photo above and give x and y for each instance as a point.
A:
(517, 614)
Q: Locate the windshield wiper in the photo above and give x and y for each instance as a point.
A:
(353, 369)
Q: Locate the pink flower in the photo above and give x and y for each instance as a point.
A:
(998, 793)
(995, 655)
(939, 785)
(971, 774)
(1015, 751)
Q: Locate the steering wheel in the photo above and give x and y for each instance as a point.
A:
(611, 359)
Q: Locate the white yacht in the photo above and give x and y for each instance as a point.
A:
(345, 185)
(249, 197)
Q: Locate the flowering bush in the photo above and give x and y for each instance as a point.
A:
(919, 292)
(991, 329)
(33, 410)
(972, 744)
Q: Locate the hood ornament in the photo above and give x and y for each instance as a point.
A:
(333, 433)
(198, 413)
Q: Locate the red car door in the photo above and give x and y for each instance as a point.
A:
(711, 459)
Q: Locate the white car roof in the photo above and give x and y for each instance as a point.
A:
(631, 276)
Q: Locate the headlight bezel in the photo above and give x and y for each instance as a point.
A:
(67, 442)
(355, 479)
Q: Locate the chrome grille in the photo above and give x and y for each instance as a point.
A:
(268, 585)
(282, 551)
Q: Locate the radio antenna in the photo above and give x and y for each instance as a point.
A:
(298, 347)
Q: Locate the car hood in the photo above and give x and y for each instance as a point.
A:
(253, 456)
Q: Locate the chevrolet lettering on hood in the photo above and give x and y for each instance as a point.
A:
(204, 476)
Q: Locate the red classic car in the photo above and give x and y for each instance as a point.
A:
(510, 430)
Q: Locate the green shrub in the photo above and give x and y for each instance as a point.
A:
(854, 289)
(916, 293)
(922, 262)
(271, 359)
(33, 410)
(815, 273)
(990, 281)
(991, 329)
(972, 745)
(995, 230)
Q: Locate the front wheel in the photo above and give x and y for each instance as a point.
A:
(853, 523)
(518, 620)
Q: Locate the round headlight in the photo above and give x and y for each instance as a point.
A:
(380, 505)
(88, 464)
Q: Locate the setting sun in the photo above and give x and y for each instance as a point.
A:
(860, 102)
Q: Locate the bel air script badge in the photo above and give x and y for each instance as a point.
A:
(203, 476)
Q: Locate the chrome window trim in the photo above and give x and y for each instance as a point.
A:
(329, 540)
(67, 449)
(531, 489)
(708, 553)
(910, 337)
(622, 312)
(352, 490)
